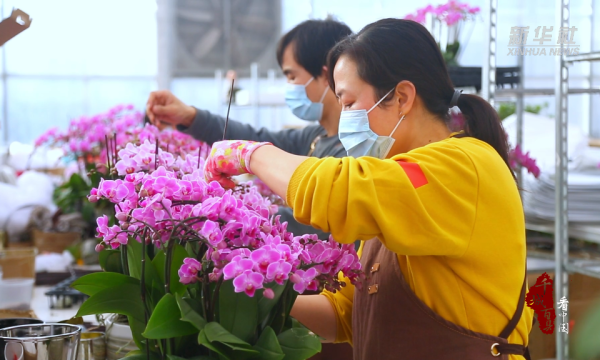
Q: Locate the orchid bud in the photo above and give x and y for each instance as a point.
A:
(99, 247)
(121, 216)
(269, 293)
(295, 278)
(212, 277)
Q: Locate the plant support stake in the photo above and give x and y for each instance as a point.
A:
(228, 108)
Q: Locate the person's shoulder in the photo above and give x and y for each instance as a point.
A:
(315, 130)
(452, 154)
(467, 145)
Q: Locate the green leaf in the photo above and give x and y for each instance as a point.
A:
(586, 342)
(187, 346)
(156, 293)
(218, 348)
(93, 283)
(216, 333)
(164, 322)
(110, 260)
(297, 324)
(122, 299)
(281, 312)
(173, 357)
(265, 306)
(238, 313)
(73, 321)
(190, 311)
(268, 345)
(299, 344)
(139, 356)
(159, 261)
(137, 327)
(134, 259)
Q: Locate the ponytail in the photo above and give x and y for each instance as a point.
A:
(389, 51)
(482, 122)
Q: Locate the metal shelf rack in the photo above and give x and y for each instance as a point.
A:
(561, 229)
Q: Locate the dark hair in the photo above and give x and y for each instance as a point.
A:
(312, 40)
(392, 50)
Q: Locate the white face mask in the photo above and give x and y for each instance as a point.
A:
(358, 138)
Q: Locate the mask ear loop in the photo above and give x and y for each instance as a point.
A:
(380, 100)
(398, 124)
(324, 93)
(309, 81)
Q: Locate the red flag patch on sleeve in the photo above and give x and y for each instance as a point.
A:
(414, 172)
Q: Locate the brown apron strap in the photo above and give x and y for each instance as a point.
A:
(512, 324)
(514, 349)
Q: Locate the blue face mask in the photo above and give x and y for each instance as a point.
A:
(358, 138)
(300, 104)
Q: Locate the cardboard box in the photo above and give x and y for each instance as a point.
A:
(13, 25)
(582, 288)
(541, 346)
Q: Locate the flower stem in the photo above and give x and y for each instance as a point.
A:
(124, 262)
(168, 262)
(215, 296)
(143, 287)
(207, 301)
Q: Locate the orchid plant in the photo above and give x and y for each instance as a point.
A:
(90, 141)
(446, 22)
(201, 271)
(517, 159)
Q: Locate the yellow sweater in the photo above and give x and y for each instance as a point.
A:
(450, 210)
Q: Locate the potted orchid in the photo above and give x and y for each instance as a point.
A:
(446, 23)
(90, 141)
(204, 272)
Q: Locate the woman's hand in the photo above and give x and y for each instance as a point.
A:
(229, 158)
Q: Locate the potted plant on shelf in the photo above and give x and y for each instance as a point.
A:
(204, 272)
(446, 23)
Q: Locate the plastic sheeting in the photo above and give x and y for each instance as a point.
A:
(32, 188)
(584, 174)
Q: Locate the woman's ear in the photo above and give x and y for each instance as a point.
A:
(405, 94)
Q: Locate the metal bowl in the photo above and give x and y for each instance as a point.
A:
(40, 342)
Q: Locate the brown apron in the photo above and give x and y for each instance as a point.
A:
(390, 322)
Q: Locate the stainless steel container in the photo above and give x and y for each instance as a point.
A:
(40, 342)
(92, 346)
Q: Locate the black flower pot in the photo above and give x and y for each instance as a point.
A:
(463, 76)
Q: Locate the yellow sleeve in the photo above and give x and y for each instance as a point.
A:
(419, 203)
(342, 302)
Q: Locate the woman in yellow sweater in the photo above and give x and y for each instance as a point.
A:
(439, 213)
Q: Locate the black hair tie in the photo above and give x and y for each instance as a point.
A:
(454, 100)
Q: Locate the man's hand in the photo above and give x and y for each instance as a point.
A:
(163, 108)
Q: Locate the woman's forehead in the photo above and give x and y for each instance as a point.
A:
(345, 76)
